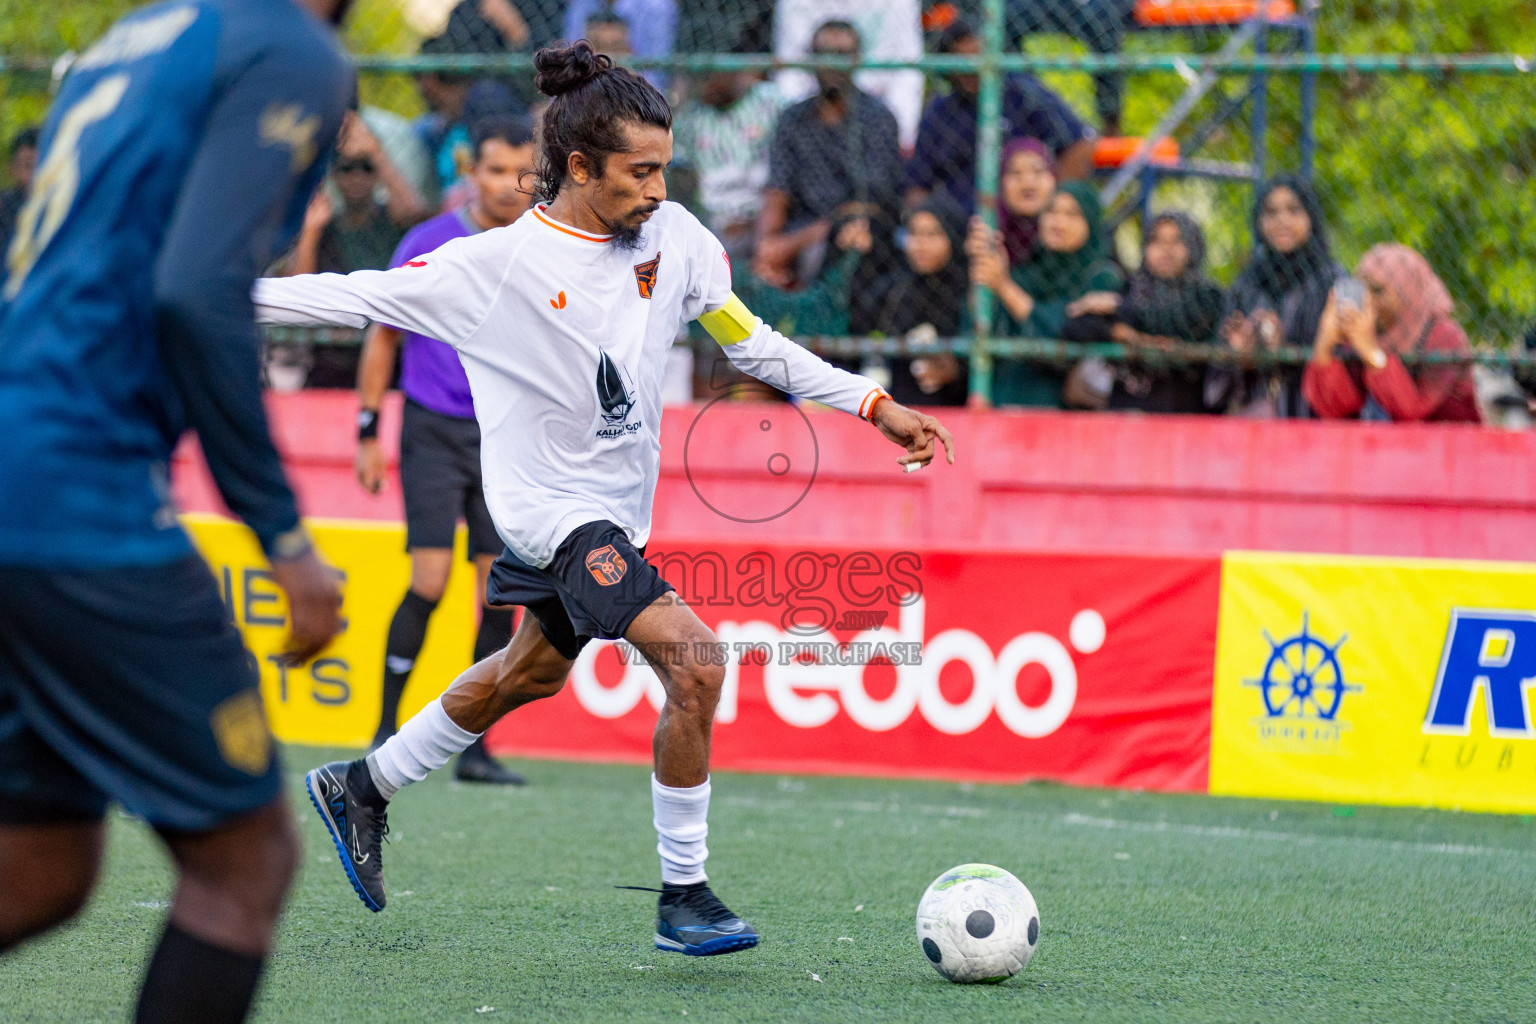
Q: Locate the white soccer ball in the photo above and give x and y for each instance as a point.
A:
(977, 923)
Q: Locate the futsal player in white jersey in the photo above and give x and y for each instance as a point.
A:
(563, 321)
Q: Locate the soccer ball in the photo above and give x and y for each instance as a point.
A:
(977, 923)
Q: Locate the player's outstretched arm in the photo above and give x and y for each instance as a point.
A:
(444, 294)
(244, 178)
(757, 349)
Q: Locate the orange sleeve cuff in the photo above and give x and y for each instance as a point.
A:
(867, 406)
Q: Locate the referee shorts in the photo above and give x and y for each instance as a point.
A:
(440, 477)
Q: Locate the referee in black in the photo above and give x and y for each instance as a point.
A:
(440, 440)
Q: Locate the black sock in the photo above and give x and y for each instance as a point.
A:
(495, 631)
(407, 632)
(191, 982)
(360, 780)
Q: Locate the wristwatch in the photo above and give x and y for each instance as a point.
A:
(367, 424)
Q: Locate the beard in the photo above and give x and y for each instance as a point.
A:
(626, 239)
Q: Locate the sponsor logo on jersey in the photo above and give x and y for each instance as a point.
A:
(558, 301)
(645, 274)
(286, 125)
(606, 565)
(616, 399)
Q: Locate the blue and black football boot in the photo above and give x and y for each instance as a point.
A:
(690, 919)
(353, 811)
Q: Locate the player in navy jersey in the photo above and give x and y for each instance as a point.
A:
(178, 157)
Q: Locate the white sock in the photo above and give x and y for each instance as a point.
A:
(423, 744)
(682, 822)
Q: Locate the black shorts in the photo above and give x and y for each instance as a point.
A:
(132, 685)
(596, 585)
(440, 475)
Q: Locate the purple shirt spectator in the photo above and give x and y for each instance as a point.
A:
(944, 158)
(430, 372)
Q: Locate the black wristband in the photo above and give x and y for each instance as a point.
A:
(367, 424)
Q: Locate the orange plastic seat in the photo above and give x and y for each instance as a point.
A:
(1193, 13)
(1112, 152)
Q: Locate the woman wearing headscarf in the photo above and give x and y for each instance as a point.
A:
(1024, 186)
(1071, 262)
(1278, 299)
(1169, 302)
(1405, 309)
(926, 294)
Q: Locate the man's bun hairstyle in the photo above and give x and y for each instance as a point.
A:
(591, 100)
(562, 69)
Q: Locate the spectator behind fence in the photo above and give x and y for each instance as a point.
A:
(1169, 302)
(361, 235)
(924, 297)
(1403, 308)
(820, 309)
(890, 30)
(502, 26)
(833, 156)
(1071, 261)
(438, 129)
(651, 24)
(454, 102)
(945, 156)
(403, 147)
(364, 232)
(23, 163)
(487, 26)
(1024, 187)
(1100, 24)
(1277, 301)
(724, 139)
(609, 34)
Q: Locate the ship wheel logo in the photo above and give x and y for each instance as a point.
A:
(1302, 678)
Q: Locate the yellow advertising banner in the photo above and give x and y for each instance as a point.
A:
(334, 699)
(1373, 680)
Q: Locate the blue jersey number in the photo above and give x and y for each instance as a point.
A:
(57, 180)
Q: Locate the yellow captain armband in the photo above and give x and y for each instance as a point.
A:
(731, 323)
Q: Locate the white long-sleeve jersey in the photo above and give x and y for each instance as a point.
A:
(564, 337)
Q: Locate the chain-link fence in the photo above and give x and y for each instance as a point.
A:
(1149, 176)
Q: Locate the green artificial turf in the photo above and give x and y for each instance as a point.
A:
(1153, 908)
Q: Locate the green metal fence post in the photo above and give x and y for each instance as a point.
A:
(989, 143)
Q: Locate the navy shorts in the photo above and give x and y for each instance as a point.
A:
(133, 685)
(440, 479)
(596, 585)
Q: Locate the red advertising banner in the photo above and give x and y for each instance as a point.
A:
(1090, 670)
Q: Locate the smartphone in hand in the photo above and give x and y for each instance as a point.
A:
(1349, 293)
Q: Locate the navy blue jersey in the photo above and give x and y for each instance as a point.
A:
(177, 159)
